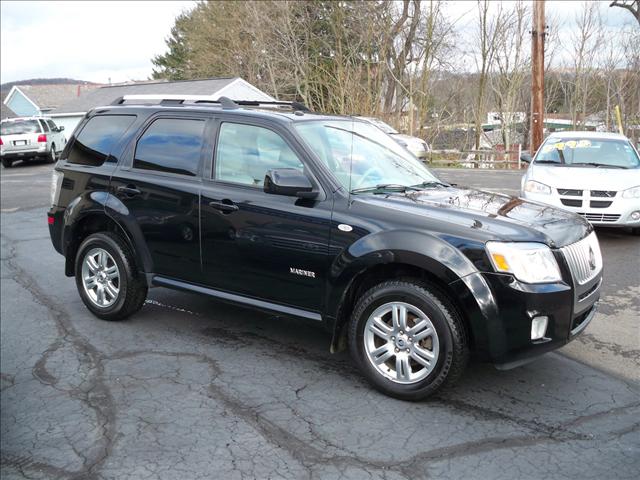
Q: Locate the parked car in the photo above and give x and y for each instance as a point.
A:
(322, 218)
(415, 145)
(594, 174)
(29, 138)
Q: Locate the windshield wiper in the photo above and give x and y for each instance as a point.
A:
(549, 161)
(596, 164)
(383, 188)
(432, 183)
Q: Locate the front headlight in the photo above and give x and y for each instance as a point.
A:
(536, 187)
(528, 262)
(633, 192)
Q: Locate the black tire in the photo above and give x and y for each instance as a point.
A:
(452, 338)
(6, 163)
(52, 158)
(132, 287)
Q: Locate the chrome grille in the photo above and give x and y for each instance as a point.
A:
(584, 258)
(601, 217)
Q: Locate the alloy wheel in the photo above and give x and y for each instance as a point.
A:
(100, 277)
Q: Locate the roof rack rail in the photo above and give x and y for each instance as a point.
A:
(225, 102)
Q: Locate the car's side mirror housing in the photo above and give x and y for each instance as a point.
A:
(60, 128)
(525, 157)
(290, 182)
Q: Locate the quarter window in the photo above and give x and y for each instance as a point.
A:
(45, 127)
(52, 125)
(246, 152)
(97, 138)
(171, 145)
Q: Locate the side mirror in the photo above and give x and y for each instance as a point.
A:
(290, 182)
(61, 128)
(525, 157)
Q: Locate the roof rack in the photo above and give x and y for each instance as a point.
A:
(225, 102)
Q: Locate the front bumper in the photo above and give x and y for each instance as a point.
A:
(616, 214)
(569, 310)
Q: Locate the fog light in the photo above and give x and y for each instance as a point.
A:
(539, 327)
(635, 216)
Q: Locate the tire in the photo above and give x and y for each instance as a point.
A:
(425, 306)
(52, 158)
(6, 163)
(130, 289)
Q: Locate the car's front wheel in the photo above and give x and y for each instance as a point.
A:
(407, 339)
(106, 277)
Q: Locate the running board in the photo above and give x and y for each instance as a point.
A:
(232, 297)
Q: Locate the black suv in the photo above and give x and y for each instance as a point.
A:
(323, 218)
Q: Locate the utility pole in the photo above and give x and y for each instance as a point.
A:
(537, 75)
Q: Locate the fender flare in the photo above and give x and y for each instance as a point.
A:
(427, 252)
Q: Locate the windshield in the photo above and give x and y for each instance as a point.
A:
(385, 127)
(361, 156)
(591, 152)
(19, 126)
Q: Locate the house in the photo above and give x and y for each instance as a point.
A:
(70, 114)
(28, 100)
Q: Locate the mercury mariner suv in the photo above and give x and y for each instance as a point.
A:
(323, 218)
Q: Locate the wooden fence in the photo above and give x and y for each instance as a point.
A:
(491, 159)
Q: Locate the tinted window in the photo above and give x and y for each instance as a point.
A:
(171, 145)
(16, 127)
(246, 152)
(44, 125)
(52, 125)
(98, 137)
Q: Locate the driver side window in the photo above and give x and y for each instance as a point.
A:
(245, 153)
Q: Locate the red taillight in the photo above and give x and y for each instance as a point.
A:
(42, 138)
(1, 141)
(51, 220)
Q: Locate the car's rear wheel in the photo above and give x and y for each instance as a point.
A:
(53, 157)
(407, 339)
(6, 163)
(107, 278)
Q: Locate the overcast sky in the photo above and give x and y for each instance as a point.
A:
(98, 41)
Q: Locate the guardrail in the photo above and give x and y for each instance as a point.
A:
(492, 159)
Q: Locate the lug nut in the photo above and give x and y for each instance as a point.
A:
(397, 350)
(407, 350)
(393, 338)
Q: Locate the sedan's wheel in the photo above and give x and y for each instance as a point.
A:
(107, 278)
(408, 339)
(101, 277)
(401, 342)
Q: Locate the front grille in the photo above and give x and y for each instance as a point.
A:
(571, 203)
(599, 204)
(570, 192)
(601, 217)
(603, 193)
(584, 258)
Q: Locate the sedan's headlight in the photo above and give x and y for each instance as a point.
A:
(528, 262)
(536, 187)
(633, 192)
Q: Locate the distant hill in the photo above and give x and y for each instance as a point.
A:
(44, 81)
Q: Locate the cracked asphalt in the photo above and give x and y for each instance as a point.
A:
(191, 388)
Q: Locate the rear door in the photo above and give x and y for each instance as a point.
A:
(260, 245)
(160, 186)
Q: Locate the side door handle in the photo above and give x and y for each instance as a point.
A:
(225, 206)
(129, 190)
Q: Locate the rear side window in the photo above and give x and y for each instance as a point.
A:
(171, 145)
(96, 140)
(44, 126)
(52, 125)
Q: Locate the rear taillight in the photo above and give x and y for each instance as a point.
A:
(1, 143)
(56, 183)
(42, 138)
(51, 220)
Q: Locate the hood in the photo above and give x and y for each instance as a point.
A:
(585, 178)
(487, 215)
(408, 138)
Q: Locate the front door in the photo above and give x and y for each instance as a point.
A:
(161, 189)
(269, 247)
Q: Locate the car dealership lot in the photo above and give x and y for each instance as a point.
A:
(190, 387)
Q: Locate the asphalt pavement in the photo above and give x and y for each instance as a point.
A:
(192, 388)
